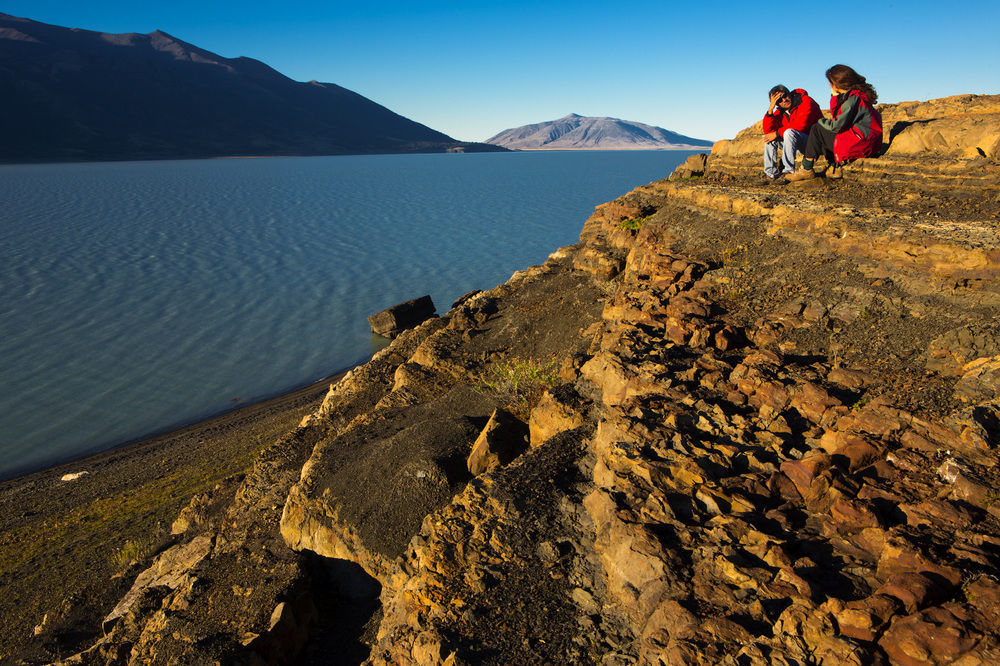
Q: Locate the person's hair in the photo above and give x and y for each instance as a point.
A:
(846, 78)
(778, 88)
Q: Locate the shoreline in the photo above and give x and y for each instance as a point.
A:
(128, 498)
(170, 434)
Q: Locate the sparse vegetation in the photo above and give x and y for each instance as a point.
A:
(131, 551)
(633, 224)
(519, 384)
(111, 529)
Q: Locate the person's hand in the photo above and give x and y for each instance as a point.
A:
(775, 96)
(770, 136)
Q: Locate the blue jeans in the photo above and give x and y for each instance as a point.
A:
(783, 150)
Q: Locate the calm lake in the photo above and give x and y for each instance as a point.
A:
(140, 296)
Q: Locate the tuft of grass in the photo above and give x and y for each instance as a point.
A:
(634, 224)
(131, 551)
(520, 384)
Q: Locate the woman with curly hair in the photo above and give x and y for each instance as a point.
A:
(854, 131)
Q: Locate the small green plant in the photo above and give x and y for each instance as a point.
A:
(131, 551)
(634, 224)
(861, 402)
(520, 384)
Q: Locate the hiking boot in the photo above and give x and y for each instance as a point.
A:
(767, 180)
(801, 174)
(836, 173)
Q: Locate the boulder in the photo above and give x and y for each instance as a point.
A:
(694, 167)
(502, 440)
(951, 351)
(980, 380)
(392, 321)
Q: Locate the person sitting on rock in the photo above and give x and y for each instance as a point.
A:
(786, 126)
(854, 131)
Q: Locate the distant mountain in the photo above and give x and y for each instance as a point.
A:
(575, 132)
(70, 94)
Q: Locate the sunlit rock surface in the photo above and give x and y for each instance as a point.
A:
(762, 425)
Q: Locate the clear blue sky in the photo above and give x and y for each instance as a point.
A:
(472, 69)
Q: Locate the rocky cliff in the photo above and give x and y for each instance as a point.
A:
(734, 424)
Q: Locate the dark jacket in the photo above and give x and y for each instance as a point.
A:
(857, 126)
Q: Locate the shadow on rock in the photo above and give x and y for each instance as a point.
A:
(347, 601)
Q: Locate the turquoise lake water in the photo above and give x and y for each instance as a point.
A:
(139, 296)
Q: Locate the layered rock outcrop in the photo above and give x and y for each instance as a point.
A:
(763, 427)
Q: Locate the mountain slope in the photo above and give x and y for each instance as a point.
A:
(575, 132)
(79, 94)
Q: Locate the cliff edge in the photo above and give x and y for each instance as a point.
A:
(734, 424)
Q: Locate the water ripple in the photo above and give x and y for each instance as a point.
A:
(136, 296)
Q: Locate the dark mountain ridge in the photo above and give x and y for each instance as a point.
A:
(575, 132)
(72, 94)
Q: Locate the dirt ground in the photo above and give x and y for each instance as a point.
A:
(65, 545)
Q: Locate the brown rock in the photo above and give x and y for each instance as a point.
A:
(968, 488)
(783, 486)
(984, 595)
(938, 513)
(859, 454)
(949, 352)
(811, 625)
(915, 591)
(852, 515)
(604, 262)
(878, 421)
(850, 378)
(728, 338)
(978, 427)
(812, 401)
(980, 380)
(502, 440)
(638, 570)
(693, 167)
(557, 411)
(899, 556)
(864, 620)
(670, 620)
(803, 472)
(771, 394)
(288, 630)
(392, 321)
(934, 636)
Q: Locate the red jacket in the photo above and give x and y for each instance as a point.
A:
(859, 133)
(800, 117)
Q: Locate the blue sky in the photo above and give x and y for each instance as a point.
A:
(472, 69)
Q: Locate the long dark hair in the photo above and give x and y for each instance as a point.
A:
(846, 78)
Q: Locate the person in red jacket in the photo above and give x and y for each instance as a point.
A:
(786, 125)
(854, 131)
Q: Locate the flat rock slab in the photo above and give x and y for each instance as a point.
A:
(392, 321)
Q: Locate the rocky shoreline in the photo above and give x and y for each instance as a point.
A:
(734, 424)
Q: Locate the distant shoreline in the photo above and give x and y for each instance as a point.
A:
(149, 443)
(459, 148)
